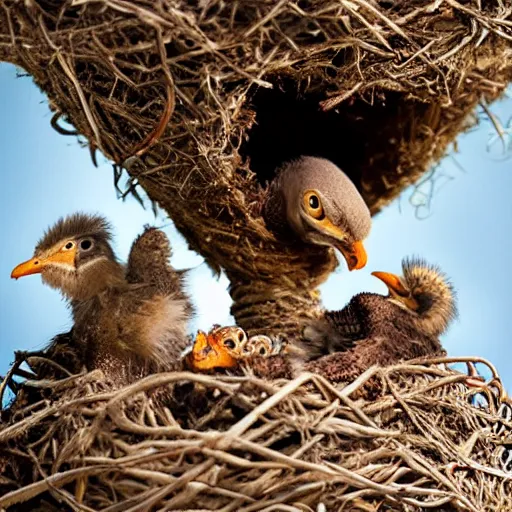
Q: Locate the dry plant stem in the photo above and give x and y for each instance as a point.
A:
(19, 359)
(198, 102)
(282, 445)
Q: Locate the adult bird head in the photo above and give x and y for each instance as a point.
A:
(424, 291)
(322, 206)
(75, 256)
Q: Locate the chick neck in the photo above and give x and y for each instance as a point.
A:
(92, 281)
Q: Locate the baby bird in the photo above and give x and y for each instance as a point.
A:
(230, 348)
(372, 329)
(225, 347)
(312, 198)
(129, 320)
(220, 348)
(376, 329)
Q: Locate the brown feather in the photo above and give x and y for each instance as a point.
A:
(127, 321)
(384, 332)
(73, 226)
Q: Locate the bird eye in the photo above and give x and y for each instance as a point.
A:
(313, 205)
(229, 343)
(85, 245)
(68, 246)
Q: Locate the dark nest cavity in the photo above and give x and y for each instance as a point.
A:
(356, 135)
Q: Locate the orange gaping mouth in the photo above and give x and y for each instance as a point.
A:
(225, 347)
(209, 353)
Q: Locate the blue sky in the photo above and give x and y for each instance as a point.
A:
(466, 231)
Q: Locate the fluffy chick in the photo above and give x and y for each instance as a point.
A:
(128, 320)
(376, 329)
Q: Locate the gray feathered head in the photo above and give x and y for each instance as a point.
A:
(323, 207)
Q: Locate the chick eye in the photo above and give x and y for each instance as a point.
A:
(68, 246)
(229, 343)
(313, 205)
(85, 245)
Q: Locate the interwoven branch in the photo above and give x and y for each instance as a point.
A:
(424, 440)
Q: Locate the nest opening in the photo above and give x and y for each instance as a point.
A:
(359, 135)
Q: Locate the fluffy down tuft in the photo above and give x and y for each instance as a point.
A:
(431, 287)
(73, 226)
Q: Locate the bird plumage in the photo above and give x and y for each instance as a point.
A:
(371, 329)
(74, 226)
(313, 200)
(128, 320)
(436, 297)
(376, 329)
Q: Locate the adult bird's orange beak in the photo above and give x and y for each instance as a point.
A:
(354, 254)
(36, 264)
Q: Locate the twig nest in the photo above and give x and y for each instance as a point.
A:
(431, 437)
(202, 101)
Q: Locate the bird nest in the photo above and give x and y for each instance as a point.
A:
(201, 101)
(414, 436)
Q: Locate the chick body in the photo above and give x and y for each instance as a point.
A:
(381, 330)
(128, 320)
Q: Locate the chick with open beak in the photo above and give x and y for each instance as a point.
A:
(219, 348)
(230, 348)
(129, 320)
(321, 205)
(371, 330)
(375, 329)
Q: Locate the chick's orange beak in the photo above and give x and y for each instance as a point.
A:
(26, 268)
(397, 290)
(392, 282)
(355, 255)
(208, 354)
(36, 265)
